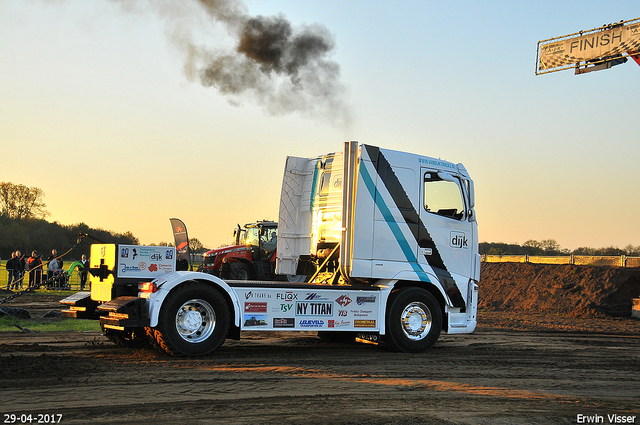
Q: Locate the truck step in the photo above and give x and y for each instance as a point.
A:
(81, 306)
(120, 303)
(78, 299)
(124, 312)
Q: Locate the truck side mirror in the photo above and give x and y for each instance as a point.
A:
(472, 194)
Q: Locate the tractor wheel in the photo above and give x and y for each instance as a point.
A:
(414, 320)
(297, 278)
(239, 271)
(193, 321)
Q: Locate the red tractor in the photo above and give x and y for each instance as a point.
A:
(253, 257)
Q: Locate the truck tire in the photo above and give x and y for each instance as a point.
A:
(193, 321)
(414, 320)
(153, 340)
(239, 271)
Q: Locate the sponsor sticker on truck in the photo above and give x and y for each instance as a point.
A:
(147, 262)
(303, 310)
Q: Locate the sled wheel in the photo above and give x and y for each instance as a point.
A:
(414, 321)
(193, 320)
(239, 271)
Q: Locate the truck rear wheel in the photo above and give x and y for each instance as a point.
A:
(414, 321)
(153, 340)
(193, 320)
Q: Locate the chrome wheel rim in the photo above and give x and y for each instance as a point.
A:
(195, 321)
(416, 321)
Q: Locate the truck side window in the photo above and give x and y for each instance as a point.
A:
(325, 180)
(442, 197)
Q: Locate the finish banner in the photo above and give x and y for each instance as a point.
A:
(608, 41)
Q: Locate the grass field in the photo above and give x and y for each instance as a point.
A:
(13, 324)
(39, 324)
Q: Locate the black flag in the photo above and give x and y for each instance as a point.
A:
(182, 244)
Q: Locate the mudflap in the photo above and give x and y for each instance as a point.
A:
(124, 312)
(81, 306)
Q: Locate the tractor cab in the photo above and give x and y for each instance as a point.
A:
(252, 256)
(262, 236)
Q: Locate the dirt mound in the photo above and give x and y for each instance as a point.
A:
(573, 291)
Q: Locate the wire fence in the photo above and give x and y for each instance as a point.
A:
(68, 280)
(578, 260)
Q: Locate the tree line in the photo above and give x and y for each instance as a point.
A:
(552, 247)
(195, 246)
(42, 236)
(23, 226)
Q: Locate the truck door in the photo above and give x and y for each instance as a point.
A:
(446, 236)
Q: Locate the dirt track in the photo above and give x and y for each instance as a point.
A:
(495, 376)
(526, 364)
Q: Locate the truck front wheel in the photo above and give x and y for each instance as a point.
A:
(193, 320)
(414, 321)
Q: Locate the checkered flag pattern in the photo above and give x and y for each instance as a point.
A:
(568, 51)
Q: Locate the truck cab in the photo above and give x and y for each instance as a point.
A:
(382, 217)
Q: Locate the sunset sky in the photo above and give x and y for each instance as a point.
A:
(102, 107)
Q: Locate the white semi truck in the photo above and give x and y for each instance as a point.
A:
(389, 240)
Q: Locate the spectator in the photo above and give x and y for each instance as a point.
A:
(22, 262)
(52, 265)
(83, 271)
(12, 269)
(225, 269)
(34, 264)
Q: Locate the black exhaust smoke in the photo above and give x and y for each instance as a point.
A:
(283, 68)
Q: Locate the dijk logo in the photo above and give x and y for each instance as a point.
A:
(459, 240)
